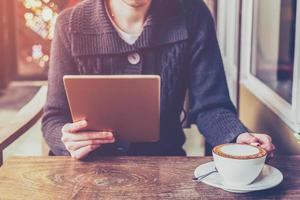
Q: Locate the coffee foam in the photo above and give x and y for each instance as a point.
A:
(239, 151)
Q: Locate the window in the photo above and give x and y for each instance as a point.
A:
(7, 42)
(273, 44)
(35, 28)
(270, 56)
(228, 36)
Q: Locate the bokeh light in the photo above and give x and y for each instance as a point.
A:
(40, 17)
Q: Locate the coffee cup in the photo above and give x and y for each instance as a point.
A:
(238, 164)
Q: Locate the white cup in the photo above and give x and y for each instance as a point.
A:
(238, 164)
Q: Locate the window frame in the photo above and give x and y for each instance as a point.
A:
(8, 61)
(228, 18)
(289, 113)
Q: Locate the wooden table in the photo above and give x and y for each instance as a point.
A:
(127, 178)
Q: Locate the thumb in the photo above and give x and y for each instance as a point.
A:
(247, 138)
(253, 139)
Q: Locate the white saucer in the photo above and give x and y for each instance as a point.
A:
(268, 178)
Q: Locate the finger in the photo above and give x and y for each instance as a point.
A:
(255, 144)
(84, 151)
(73, 146)
(83, 136)
(75, 127)
(247, 138)
(263, 138)
(268, 147)
(252, 140)
(265, 142)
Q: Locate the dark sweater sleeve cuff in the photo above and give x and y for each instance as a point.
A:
(53, 139)
(219, 128)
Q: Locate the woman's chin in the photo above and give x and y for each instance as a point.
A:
(137, 3)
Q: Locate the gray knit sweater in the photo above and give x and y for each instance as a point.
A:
(178, 43)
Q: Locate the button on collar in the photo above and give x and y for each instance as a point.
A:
(134, 58)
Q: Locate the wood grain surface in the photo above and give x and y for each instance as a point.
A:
(127, 178)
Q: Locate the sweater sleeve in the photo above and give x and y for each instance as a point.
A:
(56, 110)
(211, 107)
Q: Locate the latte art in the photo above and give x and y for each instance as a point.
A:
(239, 151)
(239, 164)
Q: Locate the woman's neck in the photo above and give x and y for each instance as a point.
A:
(129, 18)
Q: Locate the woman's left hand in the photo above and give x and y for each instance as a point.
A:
(262, 140)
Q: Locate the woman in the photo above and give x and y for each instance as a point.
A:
(172, 38)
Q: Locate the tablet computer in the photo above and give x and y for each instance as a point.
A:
(129, 105)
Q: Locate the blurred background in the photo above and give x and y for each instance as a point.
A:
(259, 40)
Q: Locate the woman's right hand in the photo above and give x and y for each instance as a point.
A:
(80, 143)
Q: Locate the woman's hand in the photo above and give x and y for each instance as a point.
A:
(262, 140)
(80, 143)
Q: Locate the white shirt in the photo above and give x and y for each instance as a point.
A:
(127, 37)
